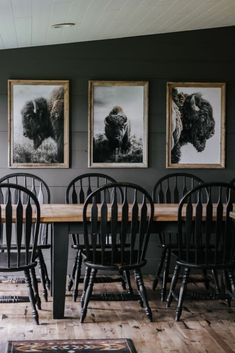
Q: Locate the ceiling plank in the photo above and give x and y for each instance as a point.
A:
(28, 22)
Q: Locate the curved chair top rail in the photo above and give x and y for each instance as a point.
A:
(172, 187)
(205, 228)
(42, 192)
(205, 193)
(121, 230)
(83, 185)
(31, 182)
(22, 219)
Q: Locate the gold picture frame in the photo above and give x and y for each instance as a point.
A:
(38, 123)
(118, 124)
(195, 129)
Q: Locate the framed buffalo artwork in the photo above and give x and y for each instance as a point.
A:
(118, 124)
(38, 123)
(195, 125)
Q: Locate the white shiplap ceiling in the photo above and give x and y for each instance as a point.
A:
(25, 23)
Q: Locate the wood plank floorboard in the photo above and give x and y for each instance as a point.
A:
(205, 327)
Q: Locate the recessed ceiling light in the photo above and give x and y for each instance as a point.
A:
(63, 25)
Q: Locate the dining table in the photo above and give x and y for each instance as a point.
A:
(68, 219)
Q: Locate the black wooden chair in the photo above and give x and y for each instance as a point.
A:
(41, 190)
(18, 248)
(232, 182)
(170, 189)
(206, 240)
(116, 239)
(77, 191)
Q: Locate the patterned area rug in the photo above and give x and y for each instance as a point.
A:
(72, 346)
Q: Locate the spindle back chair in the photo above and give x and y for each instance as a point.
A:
(41, 190)
(18, 251)
(76, 193)
(126, 221)
(206, 238)
(170, 189)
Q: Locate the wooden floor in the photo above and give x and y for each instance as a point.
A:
(206, 326)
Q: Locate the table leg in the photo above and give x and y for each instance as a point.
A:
(60, 241)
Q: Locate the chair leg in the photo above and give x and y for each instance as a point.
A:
(47, 279)
(31, 296)
(42, 272)
(127, 279)
(206, 279)
(183, 289)
(143, 294)
(138, 289)
(85, 284)
(160, 266)
(232, 283)
(88, 294)
(123, 279)
(77, 274)
(173, 285)
(165, 274)
(71, 280)
(216, 280)
(35, 288)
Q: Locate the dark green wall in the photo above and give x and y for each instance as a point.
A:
(204, 55)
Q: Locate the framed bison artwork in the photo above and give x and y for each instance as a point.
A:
(195, 125)
(38, 123)
(118, 124)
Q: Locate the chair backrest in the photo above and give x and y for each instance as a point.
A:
(232, 182)
(205, 229)
(83, 185)
(31, 182)
(119, 227)
(172, 187)
(42, 192)
(20, 207)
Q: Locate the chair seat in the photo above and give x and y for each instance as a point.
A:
(82, 246)
(201, 263)
(115, 263)
(14, 265)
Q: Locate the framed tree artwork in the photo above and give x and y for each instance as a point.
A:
(118, 124)
(195, 125)
(38, 123)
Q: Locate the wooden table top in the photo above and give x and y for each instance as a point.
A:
(73, 213)
(61, 213)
